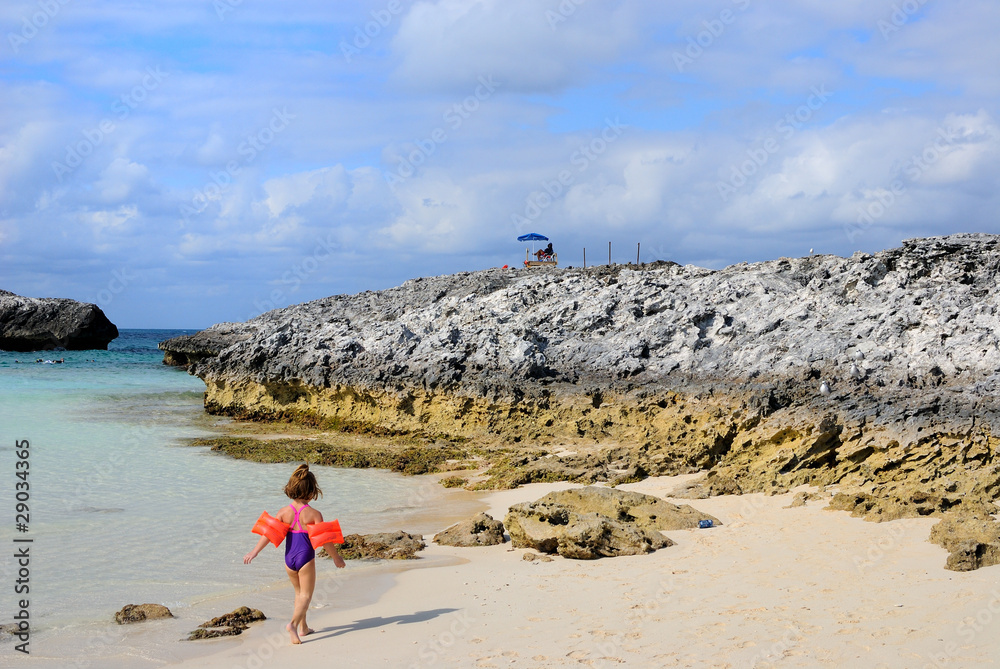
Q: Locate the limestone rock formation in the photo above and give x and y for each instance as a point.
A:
(383, 546)
(550, 527)
(134, 613)
(185, 350)
(43, 324)
(480, 530)
(671, 370)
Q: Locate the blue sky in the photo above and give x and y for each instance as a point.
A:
(195, 161)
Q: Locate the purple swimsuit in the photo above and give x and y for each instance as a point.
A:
(298, 549)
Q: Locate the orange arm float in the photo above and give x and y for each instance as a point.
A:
(272, 528)
(325, 533)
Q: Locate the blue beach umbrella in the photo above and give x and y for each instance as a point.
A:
(532, 237)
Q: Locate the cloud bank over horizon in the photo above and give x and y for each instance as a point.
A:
(207, 160)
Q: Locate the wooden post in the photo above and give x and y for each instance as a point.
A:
(609, 254)
(637, 247)
(584, 257)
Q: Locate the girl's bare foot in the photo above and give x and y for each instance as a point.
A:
(292, 634)
(306, 631)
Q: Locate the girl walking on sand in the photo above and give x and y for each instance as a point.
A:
(303, 530)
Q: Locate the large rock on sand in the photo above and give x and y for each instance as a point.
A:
(480, 530)
(556, 528)
(43, 324)
(971, 542)
(644, 511)
(135, 613)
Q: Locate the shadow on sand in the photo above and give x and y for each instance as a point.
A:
(379, 621)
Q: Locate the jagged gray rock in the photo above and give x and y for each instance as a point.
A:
(43, 324)
(185, 350)
(924, 315)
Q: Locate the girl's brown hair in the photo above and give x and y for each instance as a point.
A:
(302, 485)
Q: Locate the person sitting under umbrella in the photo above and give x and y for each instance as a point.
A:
(544, 253)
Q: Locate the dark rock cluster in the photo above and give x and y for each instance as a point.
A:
(43, 324)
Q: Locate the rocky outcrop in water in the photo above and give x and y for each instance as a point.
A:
(135, 613)
(43, 324)
(185, 350)
(877, 373)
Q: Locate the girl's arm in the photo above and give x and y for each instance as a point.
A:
(331, 550)
(248, 558)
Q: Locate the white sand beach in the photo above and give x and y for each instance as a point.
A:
(774, 586)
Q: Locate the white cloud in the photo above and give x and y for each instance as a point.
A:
(529, 46)
(119, 179)
(109, 220)
(330, 183)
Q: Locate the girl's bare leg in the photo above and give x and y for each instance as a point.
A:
(306, 579)
(293, 576)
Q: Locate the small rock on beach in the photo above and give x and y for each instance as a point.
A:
(230, 624)
(480, 530)
(135, 613)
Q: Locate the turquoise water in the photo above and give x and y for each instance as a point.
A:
(123, 512)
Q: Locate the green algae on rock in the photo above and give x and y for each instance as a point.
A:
(230, 624)
(380, 546)
(409, 459)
